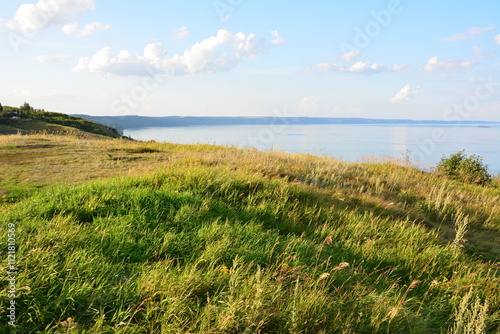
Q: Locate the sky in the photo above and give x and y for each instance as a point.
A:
(395, 59)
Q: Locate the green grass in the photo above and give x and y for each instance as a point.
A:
(28, 121)
(30, 126)
(205, 239)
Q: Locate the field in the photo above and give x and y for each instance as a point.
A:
(117, 236)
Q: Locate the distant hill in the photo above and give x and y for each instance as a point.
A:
(25, 119)
(130, 122)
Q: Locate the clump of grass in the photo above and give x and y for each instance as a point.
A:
(461, 226)
(470, 315)
(141, 150)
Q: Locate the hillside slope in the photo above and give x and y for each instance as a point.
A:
(14, 120)
(32, 126)
(117, 236)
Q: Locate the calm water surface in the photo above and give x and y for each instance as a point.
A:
(425, 144)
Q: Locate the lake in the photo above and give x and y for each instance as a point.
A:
(424, 144)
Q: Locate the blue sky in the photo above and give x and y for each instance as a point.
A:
(372, 59)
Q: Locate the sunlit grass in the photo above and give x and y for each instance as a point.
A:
(138, 237)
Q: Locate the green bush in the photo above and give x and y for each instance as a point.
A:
(468, 169)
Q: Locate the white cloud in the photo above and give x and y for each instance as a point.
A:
(469, 34)
(180, 33)
(88, 29)
(404, 94)
(31, 18)
(309, 106)
(51, 59)
(398, 67)
(349, 56)
(154, 51)
(497, 39)
(433, 64)
(69, 29)
(214, 54)
(94, 27)
(358, 67)
(277, 38)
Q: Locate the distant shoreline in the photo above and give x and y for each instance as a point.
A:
(135, 122)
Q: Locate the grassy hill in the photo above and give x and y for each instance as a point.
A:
(29, 126)
(115, 236)
(29, 120)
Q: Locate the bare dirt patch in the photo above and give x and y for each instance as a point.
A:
(3, 192)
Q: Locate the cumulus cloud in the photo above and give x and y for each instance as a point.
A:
(94, 27)
(154, 52)
(214, 54)
(433, 64)
(349, 56)
(51, 59)
(398, 67)
(69, 29)
(497, 39)
(88, 29)
(358, 67)
(277, 38)
(469, 34)
(31, 18)
(405, 94)
(309, 106)
(180, 33)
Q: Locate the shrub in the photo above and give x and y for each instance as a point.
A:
(468, 169)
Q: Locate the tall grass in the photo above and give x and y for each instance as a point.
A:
(216, 240)
(470, 316)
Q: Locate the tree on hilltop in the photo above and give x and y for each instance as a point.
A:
(25, 109)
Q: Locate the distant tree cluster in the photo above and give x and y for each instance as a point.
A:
(6, 111)
(26, 111)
